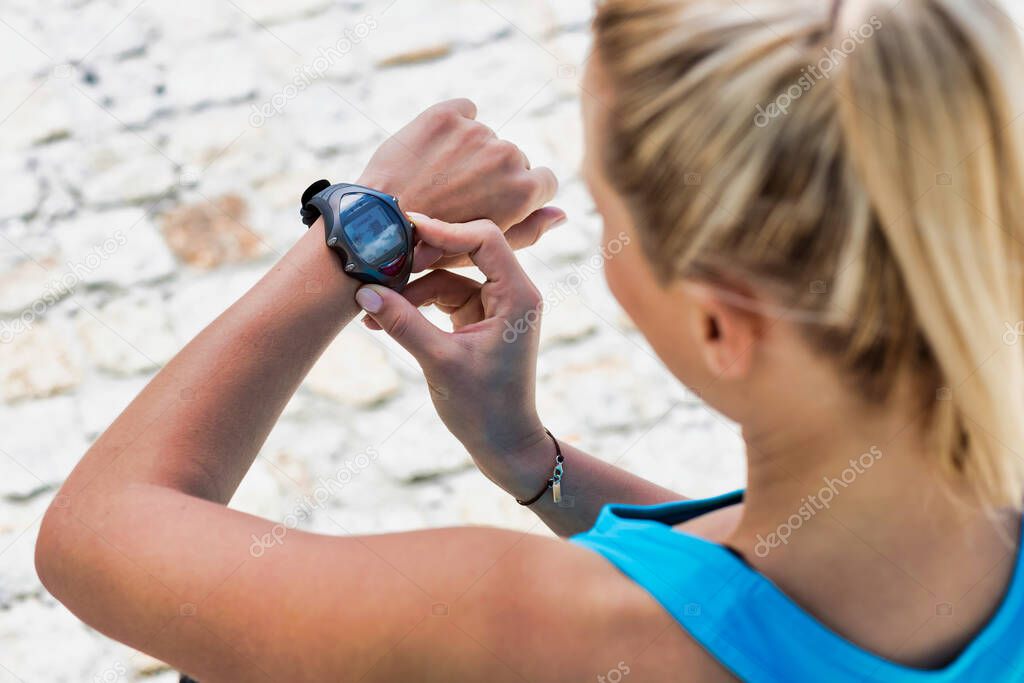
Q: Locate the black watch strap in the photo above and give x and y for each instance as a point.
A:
(308, 212)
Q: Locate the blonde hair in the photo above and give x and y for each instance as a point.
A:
(864, 166)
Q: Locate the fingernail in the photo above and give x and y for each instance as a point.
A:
(369, 300)
(560, 221)
(413, 216)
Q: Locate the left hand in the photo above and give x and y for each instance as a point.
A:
(448, 165)
(481, 376)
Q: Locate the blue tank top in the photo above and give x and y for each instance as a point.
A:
(752, 628)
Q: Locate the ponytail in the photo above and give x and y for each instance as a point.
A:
(927, 110)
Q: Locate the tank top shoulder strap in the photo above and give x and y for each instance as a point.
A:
(743, 620)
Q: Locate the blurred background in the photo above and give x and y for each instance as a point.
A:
(152, 156)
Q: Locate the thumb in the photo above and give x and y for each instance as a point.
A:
(400, 319)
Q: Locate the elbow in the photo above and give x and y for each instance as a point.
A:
(52, 550)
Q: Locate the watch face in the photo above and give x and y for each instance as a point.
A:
(375, 231)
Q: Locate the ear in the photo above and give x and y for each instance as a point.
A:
(725, 333)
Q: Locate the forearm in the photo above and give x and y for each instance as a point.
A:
(201, 421)
(588, 484)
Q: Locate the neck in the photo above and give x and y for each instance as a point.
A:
(857, 508)
(840, 486)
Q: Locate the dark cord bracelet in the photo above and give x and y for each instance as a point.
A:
(555, 482)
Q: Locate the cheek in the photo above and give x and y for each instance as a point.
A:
(655, 311)
(617, 271)
(659, 314)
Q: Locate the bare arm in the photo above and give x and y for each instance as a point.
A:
(138, 542)
(589, 484)
(200, 422)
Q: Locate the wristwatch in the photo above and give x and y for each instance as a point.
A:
(366, 228)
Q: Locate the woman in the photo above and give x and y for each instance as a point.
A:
(831, 265)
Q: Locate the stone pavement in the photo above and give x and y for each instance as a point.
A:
(151, 155)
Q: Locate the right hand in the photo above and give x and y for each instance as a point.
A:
(482, 376)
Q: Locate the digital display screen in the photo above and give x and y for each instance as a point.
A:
(373, 232)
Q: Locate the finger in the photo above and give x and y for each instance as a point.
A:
(547, 184)
(470, 312)
(401, 320)
(482, 240)
(519, 236)
(456, 295)
(445, 289)
(463, 105)
(526, 159)
(529, 232)
(424, 256)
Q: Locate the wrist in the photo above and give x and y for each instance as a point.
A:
(521, 469)
(382, 182)
(322, 272)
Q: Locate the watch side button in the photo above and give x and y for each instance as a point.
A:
(333, 241)
(349, 267)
